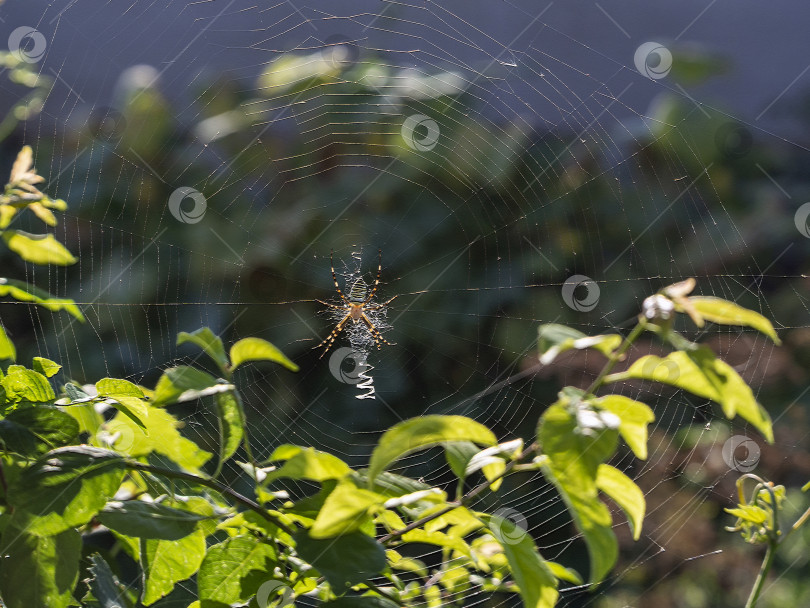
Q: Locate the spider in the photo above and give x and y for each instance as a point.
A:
(355, 307)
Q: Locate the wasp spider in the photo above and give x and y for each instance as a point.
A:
(355, 306)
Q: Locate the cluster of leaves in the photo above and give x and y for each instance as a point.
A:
(37, 86)
(346, 535)
(21, 193)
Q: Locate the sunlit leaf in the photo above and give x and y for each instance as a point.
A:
(161, 435)
(38, 248)
(420, 433)
(226, 572)
(167, 562)
(209, 342)
(700, 372)
(624, 493)
(634, 416)
(66, 487)
(307, 463)
(576, 440)
(25, 385)
(7, 350)
(564, 574)
(346, 509)
(127, 398)
(184, 383)
(534, 578)
(46, 367)
(554, 339)
(256, 349)
(23, 292)
(724, 312)
(231, 426)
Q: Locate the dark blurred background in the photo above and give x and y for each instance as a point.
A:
(491, 152)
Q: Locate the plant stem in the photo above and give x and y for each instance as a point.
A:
(214, 485)
(465, 500)
(767, 562)
(616, 357)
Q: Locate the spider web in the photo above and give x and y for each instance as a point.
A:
(510, 172)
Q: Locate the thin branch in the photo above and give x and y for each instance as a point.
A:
(214, 485)
(465, 500)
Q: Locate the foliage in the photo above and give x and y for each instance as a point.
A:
(343, 535)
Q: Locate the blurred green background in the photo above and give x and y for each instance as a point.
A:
(478, 235)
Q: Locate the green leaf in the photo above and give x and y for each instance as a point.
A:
(167, 562)
(564, 574)
(233, 570)
(127, 397)
(148, 519)
(105, 590)
(440, 539)
(750, 513)
(231, 420)
(25, 385)
(209, 342)
(724, 312)
(38, 570)
(66, 487)
(23, 292)
(185, 383)
(256, 349)
(554, 339)
(423, 432)
(34, 430)
(346, 509)
(307, 463)
(46, 367)
(7, 350)
(534, 578)
(700, 372)
(624, 493)
(38, 248)
(577, 439)
(634, 416)
(344, 560)
(161, 435)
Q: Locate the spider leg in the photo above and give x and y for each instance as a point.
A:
(375, 333)
(331, 305)
(378, 306)
(377, 281)
(334, 277)
(330, 339)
